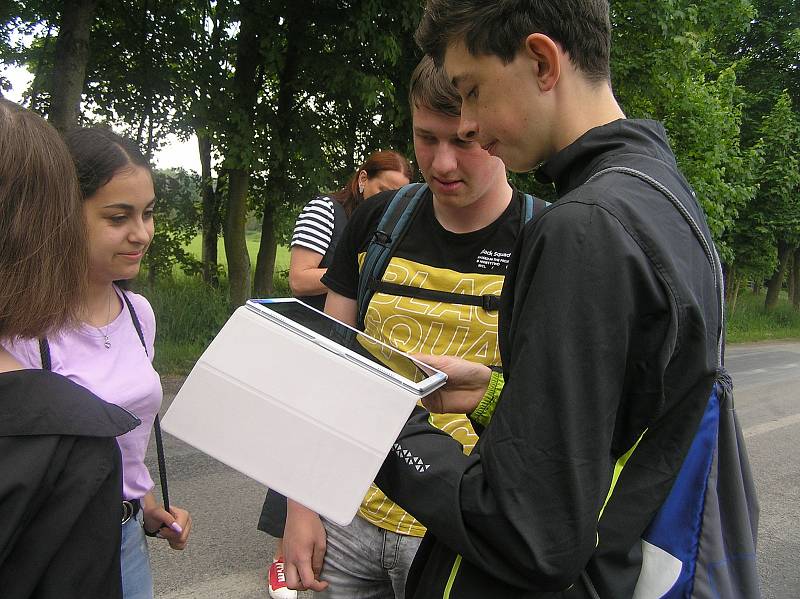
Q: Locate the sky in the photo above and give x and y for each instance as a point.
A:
(174, 154)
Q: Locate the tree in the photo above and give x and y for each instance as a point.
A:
(778, 199)
(239, 154)
(69, 68)
(177, 222)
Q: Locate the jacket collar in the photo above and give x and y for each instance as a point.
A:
(39, 402)
(601, 146)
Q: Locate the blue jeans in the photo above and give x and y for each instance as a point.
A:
(364, 561)
(137, 579)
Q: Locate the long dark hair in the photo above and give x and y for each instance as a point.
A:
(99, 154)
(383, 160)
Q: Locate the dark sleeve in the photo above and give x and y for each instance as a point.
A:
(60, 511)
(342, 274)
(525, 505)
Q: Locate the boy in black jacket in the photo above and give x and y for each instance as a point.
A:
(610, 324)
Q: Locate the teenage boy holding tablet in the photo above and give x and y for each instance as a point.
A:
(609, 327)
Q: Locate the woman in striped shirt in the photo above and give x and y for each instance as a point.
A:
(322, 221)
(316, 232)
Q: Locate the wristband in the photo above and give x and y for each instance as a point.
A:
(482, 414)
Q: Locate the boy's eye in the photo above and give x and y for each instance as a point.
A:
(148, 214)
(472, 94)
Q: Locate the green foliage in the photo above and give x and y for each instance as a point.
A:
(189, 314)
(177, 221)
(751, 322)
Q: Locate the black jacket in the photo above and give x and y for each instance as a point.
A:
(60, 489)
(608, 328)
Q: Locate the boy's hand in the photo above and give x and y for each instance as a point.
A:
(304, 546)
(466, 385)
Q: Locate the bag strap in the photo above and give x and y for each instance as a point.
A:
(162, 462)
(47, 364)
(44, 354)
(374, 282)
(489, 302)
(708, 246)
(391, 229)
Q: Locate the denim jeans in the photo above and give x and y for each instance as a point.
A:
(137, 579)
(364, 561)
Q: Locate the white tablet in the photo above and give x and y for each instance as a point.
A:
(299, 402)
(343, 340)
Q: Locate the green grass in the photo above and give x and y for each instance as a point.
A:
(189, 314)
(749, 322)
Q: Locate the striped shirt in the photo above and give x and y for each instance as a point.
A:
(314, 226)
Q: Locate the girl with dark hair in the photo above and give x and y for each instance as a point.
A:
(111, 350)
(316, 233)
(60, 466)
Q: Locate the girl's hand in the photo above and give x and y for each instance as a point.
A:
(174, 526)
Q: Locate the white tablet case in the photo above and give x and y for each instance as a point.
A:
(292, 415)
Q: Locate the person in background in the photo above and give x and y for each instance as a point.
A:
(316, 234)
(321, 222)
(111, 349)
(60, 466)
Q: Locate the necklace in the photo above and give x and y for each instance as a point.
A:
(106, 340)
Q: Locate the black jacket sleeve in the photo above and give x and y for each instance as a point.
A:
(585, 347)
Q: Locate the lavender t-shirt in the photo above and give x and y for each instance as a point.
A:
(121, 374)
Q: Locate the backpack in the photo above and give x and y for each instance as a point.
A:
(393, 226)
(701, 543)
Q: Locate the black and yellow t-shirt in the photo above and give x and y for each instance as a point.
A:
(429, 257)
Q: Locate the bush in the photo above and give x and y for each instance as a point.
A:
(189, 313)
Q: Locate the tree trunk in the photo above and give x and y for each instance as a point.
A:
(279, 167)
(791, 269)
(235, 241)
(775, 283)
(267, 249)
(211, 217)
(69, 67)
(796, 277)
(734, 296)
(245, 87)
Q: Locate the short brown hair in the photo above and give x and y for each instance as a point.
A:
(581, 27)
(431, 89)
(43, 254)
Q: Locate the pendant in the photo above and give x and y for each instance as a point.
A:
(107, 342)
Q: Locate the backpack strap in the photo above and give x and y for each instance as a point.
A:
(393, 225)
(44, 354)
(708, 246)
(391, 229)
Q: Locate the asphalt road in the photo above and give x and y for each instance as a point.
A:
(226, 556)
